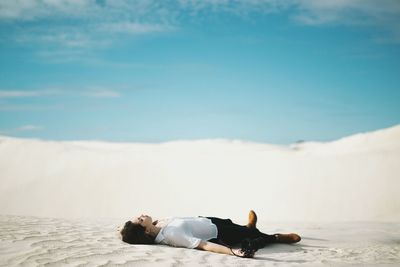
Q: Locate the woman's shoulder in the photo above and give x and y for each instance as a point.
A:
(164, 222)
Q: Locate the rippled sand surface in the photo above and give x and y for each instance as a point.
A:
(34, 241)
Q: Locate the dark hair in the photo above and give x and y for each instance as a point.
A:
(133, 233)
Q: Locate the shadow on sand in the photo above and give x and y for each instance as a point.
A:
(275, 249)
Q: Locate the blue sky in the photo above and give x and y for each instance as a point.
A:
(153, 71)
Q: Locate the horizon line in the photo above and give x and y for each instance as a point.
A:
(231, 140)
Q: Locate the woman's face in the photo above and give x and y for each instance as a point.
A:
(143, 220)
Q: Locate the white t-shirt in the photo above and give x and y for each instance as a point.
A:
(186, 231)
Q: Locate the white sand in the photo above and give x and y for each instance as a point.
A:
(30, 241)
(328, 187)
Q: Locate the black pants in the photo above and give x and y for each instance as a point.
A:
(231, 234)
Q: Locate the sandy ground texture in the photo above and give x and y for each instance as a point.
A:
(34, 241)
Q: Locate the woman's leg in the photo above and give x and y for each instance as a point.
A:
(230, 233)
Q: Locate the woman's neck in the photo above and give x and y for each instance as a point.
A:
(154, 230)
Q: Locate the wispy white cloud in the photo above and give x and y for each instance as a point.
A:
(140, 16)
(311, 12)
(71, 39)
(15, 100)
(91, 36)
(25, 93)
(134, 28)
(37, 9)
(382, 14)
(82, 24)
(13, 94)
(74, 40)
(355, 12)
(22, 128)
(29, 127)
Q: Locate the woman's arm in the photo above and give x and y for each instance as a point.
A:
(212, 247)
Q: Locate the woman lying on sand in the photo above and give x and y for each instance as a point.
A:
(206, 233)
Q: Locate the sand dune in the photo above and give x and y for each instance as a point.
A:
(351, 179)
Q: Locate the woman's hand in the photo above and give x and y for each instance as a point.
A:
(242, 253)
(209, 246)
